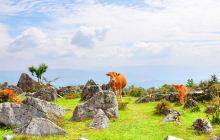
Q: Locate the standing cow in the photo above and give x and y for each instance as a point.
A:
(10, 94)
(182, 91)
(117, 82)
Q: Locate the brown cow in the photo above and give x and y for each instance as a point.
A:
(117, 82)
(182, 91)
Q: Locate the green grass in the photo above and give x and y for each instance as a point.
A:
(137, 122)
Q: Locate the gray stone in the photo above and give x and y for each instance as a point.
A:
(16, 116)
(46, 93)
(190, 103)
(173, 116)
(7, 137)
(69, 89)
(89, 90)
(214, 138)
(4, 85)
(42, 127)
(172, 138)
(100, 120)
(211, 109)
(82, 139)
(202, 125)
(26, 83)
(104, 99)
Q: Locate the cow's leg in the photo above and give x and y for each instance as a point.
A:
(120, 93)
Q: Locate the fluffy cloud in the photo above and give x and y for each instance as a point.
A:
(91, 34)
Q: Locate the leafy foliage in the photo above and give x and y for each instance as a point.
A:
(166, 89)
(163, 107)
(38, 71)
(135, 91)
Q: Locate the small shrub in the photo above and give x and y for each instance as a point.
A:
(163, 107)
(59, 121)
(215, 112)
(166, 89)
(135, 91)
(72, 95)
(122, 105)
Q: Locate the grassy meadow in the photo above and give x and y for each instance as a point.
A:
(136, 122)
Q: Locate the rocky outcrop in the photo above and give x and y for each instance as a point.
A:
(214, 138)
(46, 93)
(173, 116)
(211, 109)
(26, 83)
(18, 116)
(202, 125)
(89, 90)
(41, 127)
(100, 120)
(173, 97)
(102, 99)
(190, 103)
(69, 89)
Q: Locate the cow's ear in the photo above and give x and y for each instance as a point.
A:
(117, 74)
(108, 74)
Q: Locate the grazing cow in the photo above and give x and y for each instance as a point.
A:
(117, 82)
(10, 94)
(182, 91)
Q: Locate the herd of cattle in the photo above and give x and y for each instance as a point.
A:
(117, 82)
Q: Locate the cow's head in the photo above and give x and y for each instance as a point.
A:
(113, 76)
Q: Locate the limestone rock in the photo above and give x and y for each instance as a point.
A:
(202, 125)
(46, 93)
(89, 90)
(104, 99)
(42, 127)
(172, 138)
(100, 120)
(26, 83)
(173, 116)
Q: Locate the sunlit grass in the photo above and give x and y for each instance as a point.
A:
(137, 122)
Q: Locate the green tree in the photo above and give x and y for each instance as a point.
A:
(38, 71)
(190, 83)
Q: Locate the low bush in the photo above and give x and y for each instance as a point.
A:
(135, 91)
(72, 95)
(163, 107)
(214, 111)
(122, 105)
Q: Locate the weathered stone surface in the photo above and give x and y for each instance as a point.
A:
(82, 139)
(172, 138)
(190, 103)
(4, 85)
(69, 89)
(89, 90)
(100, 120)
(104, 99)
(7, 137)
(173, 97)
(173, 116)
(105, 87)
(211, 110)
(214, 138)
(26, 83)
(202, 125)
(13, 115)
(46, 93)
(41, 127)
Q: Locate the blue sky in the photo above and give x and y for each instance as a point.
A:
(136, 37)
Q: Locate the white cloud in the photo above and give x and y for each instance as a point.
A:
(91, 34)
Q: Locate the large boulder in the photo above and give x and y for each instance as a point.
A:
(103, 99)
(202, 125)
(18, 116)
(26, 83)
(46, 93)
(89, 90)
(41, 127)
(69, 89)
(100, 120)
